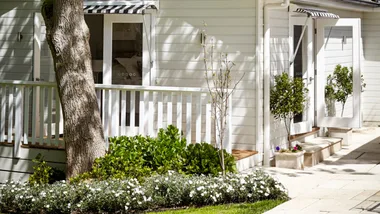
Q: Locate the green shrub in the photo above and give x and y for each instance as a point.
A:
(139, 157)
(43, 173)
(203, 158)
(124, 196)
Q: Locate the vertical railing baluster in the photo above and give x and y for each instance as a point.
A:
(188, 118)
(115, 120)
(208, 119)
(106, 113)
(179, 111)
(142, 113)
(10, 114)
(132, 113)
(123, 124)
(42, 115)
(151, 114)
(169, 109)
(57, 118)
(26, 114)
(34, 113)
(49, 114)
(160, 110)
(3, 93)
(198, 127)
(18, 120)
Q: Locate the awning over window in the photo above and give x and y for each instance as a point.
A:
(119, 9)
(314, 13)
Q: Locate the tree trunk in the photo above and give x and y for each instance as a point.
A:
(68, 37)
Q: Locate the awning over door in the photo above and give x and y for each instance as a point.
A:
(119, 9)
(314, 13)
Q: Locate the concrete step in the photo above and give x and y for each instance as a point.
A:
(320, 148)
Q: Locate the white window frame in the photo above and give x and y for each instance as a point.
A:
(149, 44)
(308, 78)
(322, 120)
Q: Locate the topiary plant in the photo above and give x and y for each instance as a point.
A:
(287, 99)
(339, 87)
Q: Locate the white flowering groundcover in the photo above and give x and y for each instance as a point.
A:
(122, 196)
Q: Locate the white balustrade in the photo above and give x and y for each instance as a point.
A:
(30, 112)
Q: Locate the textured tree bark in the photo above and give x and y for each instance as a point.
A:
(68, 37)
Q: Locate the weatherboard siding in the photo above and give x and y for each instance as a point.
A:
(371, 68)
(232, 25)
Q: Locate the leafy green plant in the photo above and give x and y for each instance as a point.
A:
(339, 87)
(203, 158)
(43, 173)
(139, 157)
(287, 99)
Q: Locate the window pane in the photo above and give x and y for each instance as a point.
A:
(95, 24)
(127, 54)
(338, 52)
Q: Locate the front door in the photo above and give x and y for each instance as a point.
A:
(301, 66)
(338, 48)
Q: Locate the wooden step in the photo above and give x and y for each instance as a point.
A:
(304, 136)
(245, 159)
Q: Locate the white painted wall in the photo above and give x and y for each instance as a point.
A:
(371, 68)
(180, 58)
(16, 57)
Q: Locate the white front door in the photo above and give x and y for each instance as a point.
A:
(338, 43)
(302, 66)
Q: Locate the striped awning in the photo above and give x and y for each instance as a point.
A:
(118, 9)
(314, 13)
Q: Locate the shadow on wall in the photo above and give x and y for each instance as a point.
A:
(180, 56)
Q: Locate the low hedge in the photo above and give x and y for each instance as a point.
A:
(140, 157)
(122, 196)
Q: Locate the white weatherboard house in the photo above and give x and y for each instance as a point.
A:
(148, 66)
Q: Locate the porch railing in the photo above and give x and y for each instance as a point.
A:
(30, 113)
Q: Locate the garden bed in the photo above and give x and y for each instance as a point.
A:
(156, 192)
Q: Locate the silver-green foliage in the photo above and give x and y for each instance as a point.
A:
(287, 98)
(131, 196)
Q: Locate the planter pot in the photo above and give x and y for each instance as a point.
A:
(290, 160)
(344, 133)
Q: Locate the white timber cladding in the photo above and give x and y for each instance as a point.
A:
(371, 68)
(279, 51)
(16, 57)
(231, 24)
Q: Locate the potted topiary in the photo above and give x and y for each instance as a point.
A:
(339, 88)
(287, 99)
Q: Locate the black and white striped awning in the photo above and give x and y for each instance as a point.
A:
(314, 13)
(118, 9)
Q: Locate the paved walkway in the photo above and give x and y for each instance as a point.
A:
(348, 182)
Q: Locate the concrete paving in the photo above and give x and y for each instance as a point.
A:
(347, 182)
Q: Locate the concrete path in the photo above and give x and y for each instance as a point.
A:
(348, 182)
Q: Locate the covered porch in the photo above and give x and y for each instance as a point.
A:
(31, 115)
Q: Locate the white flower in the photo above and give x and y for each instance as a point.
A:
(249, 195)
(33, 200)
(68, 205)
(139, 202)
(126, 207)
(21, 196)
(78, 205)
(166, 179)
(65, 192)
(190, 182)
(266, 194)
(156, 188)
(47, 206)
